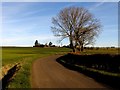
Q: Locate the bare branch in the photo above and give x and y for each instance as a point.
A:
(76, 23)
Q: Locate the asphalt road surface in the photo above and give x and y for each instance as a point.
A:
(47, 73)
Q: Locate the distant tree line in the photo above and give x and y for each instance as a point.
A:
(37, 44)
(50, 44)
(97, 48)
(93, 48)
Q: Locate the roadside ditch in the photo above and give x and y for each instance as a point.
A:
(7, 73)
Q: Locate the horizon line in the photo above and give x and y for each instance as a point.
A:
(65, 45)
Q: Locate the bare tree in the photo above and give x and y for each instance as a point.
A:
(85, 34)
(78, 24)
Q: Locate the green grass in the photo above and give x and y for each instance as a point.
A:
(16, 54)
(26, 56)
(99, 71)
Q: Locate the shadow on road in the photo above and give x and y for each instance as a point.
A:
(100, 62)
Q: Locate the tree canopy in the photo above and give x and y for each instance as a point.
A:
(77, 24)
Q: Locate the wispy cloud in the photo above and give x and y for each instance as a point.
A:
(28, 40)
(15, 12)
(97, 5)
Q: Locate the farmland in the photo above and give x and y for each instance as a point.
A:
(26, 55)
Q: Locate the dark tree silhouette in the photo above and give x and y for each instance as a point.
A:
(50, 44)
(36, 43)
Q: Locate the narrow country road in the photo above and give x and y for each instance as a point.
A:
(47, 73)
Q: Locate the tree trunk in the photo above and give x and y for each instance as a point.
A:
(71, 45)
(82, 48)
(77, 49)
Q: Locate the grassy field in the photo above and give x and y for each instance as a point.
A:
(26, 55)
(12, 55)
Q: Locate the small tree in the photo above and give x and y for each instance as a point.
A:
(36, 43)
(50, 44)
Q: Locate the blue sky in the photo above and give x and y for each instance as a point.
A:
(25, 22)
